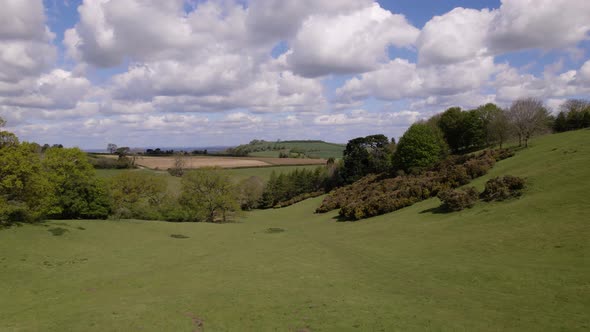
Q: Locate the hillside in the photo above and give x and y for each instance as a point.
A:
(519, 265)
(293, 149)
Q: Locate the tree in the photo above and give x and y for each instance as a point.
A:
(179, 164)
(465, 130)
(251, 190)
(365, 155)
(498, 128)
(420, 147)
(208, 194)
(450, 122)
(7, 139)
(79, 193)
(26, 194)
(137, 194)
(528, 117)
(111, 148)
(488, 113)
(560, 124)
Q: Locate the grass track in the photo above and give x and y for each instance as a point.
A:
(521, 265)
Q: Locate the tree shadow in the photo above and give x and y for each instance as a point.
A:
(340, 218)
(436, 210)
(58, 231)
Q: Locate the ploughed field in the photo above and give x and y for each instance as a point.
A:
(165, 162)
(518, 265)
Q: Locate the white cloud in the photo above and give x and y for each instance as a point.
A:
(456, 36)
(545, 24)
(401, 79)
(56, 89)
(363, 117)
(517, 25)
(348, 43)
(269, 21)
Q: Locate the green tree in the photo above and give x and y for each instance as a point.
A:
(498, 128)
(26, 194)
(78, 191)
(365, 155)
(420, 147)
(208, 195)
(560, 124)
(251, 190)
(137, 195)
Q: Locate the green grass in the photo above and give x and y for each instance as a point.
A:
(520, 265)
(312, 149)
(238, 174)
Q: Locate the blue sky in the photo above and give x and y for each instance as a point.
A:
(197, 73)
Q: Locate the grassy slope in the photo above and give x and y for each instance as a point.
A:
(518, 265)
(314, 149)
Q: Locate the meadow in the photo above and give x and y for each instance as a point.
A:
(518, 265)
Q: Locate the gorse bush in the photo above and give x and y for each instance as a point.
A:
(501, 188)
(378, 194)
(458, 199)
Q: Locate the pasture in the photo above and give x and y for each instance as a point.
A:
(519, 265)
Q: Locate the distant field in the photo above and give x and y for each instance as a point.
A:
(165, 162)
(237, 174)
(518, 265)
(312, 149)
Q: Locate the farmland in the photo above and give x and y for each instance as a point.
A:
(163, 163)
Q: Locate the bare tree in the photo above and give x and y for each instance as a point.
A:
(179, 164)
(575, 105)
(528, 116)
(112, 148)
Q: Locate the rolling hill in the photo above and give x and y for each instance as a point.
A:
(518, 265)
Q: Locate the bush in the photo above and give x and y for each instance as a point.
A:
(458, 199)
(501, 188)
(378, 194)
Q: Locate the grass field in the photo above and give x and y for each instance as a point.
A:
(312, 149)
(237, 174)
(520, 265)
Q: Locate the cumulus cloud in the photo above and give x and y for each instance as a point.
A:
(25, 42)
(269, 21)
(517, 25)
(364, 117)
(401, 79)
(348, 43)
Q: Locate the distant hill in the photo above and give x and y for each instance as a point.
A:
(289, 149)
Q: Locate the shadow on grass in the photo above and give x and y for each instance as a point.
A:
(274, 230)
(436, 210)
(178, 236)
(57, 231)
(340, 218)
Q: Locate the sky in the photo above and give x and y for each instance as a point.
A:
(223, 72)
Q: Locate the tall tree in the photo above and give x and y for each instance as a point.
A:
(364, 155)
(528, 117)
(208, 194)
(420, 147)
(80, 194)
(498, 128)
(111, 148)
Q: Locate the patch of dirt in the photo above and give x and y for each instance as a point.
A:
(197, 322)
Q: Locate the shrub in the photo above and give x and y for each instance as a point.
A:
(501, 188)
(458, 199)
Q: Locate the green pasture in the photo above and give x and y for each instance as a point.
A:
(518, 265)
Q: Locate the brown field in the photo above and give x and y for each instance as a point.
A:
(223, 162)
